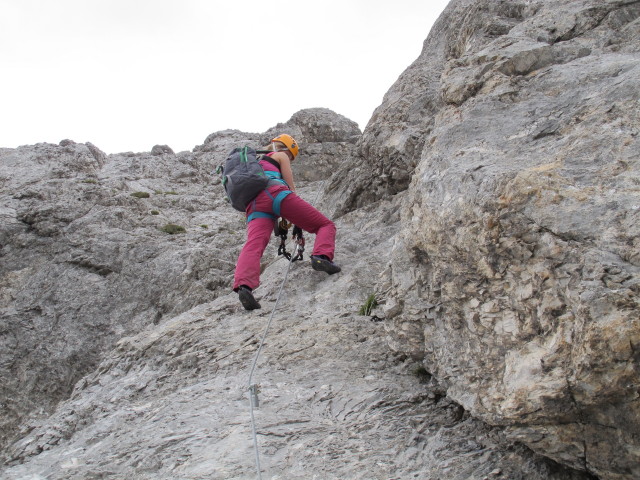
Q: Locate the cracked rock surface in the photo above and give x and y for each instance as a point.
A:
(172, 401)
(522, 219)
(491, 205)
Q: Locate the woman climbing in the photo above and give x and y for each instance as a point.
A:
(262, 214)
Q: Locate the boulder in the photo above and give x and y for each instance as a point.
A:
(161, 150)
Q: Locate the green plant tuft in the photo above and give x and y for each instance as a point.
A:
(172, 229)
(140, 194)
(155, 212)
(205, 226)
(369, 305)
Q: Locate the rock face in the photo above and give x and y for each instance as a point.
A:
(170, 400)
(95, 247)
(85, 260)
(516, 276)
(492, 208)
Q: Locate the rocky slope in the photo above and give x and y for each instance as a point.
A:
(171, 401)
(491, 205)
(95, 247)
(169, 397)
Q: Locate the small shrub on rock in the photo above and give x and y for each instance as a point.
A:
(369, 305)
(172, 229)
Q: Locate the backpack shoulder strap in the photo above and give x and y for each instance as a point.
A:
(270, 160)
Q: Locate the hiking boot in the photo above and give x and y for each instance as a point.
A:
(322, 263)
(246, 298)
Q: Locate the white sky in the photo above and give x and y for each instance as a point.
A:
(129, 74)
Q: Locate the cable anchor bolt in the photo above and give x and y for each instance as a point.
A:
(253, 392)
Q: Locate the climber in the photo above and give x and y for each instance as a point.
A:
(261, 219)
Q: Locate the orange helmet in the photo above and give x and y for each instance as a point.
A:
(290, 143)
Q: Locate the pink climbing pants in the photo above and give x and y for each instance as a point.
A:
(259, 231)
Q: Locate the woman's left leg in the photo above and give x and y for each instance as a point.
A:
(247, 272)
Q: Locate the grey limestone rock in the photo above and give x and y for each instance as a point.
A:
(317, 125)
(84, 260)
(171, 401)
(161, 150)
(133, 336)
(521, 288)
(87, 256)
(491, 206)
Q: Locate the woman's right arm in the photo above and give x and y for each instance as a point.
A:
(285, 168)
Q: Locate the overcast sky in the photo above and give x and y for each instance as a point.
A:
(129, 74)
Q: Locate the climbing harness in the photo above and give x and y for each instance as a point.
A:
(275, 178)
(276, 203)
(253, 388)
